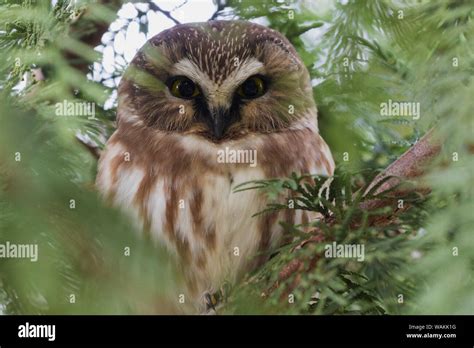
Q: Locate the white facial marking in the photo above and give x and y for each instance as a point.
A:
(219, 94)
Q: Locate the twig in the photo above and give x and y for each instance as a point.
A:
(180, 5)
(304, 29)
(221, 4)
(155, 7)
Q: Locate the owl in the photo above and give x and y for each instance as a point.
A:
(202, 108)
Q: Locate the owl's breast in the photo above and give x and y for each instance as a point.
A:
(187, 201)
(210, 226)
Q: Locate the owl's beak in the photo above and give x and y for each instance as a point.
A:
(221, 120)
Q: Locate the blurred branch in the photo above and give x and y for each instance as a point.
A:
(89, 29)
(90, 146)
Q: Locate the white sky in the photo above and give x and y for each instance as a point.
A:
(129, 39)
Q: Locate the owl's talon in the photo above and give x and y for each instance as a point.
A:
(211, 302)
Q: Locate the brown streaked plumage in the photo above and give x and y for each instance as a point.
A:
(241, 86)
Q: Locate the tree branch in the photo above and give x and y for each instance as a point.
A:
(155, 7)
(410, 164)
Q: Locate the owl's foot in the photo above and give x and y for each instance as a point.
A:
(214, 301)
(211, 301)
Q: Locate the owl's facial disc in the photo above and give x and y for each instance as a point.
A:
(221, 80)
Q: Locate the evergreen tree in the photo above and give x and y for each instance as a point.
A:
(414, 221)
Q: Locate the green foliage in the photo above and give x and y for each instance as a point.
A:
(360, 54)
(335, 285)
(46, 184)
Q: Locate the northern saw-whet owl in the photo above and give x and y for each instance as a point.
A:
(191, 93)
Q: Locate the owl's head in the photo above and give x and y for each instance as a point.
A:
(220, 80)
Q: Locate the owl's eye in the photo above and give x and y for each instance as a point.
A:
(253, 87)
(182, 87)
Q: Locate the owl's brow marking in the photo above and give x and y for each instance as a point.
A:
(221, 90)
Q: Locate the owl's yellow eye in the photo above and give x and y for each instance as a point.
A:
(253, 87)
(182, 87)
